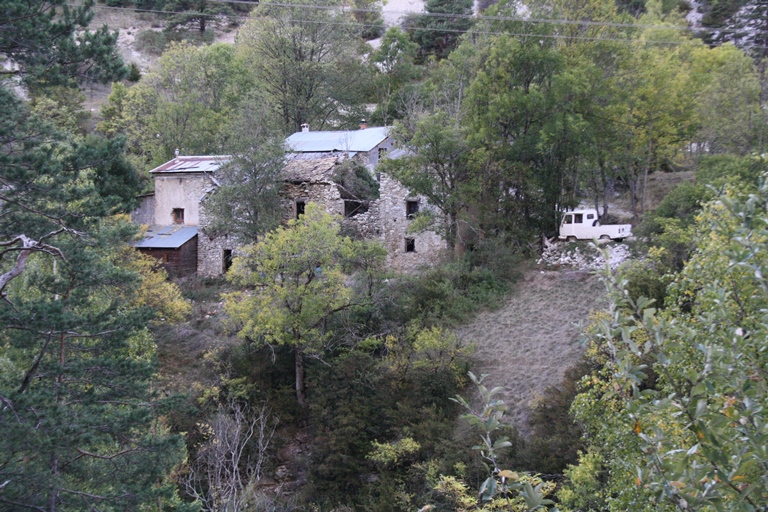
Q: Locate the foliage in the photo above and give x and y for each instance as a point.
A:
(80, 425)
(435, 168)
(306, 62)
(246, 203)
(693, 439)
(503, 489)
(299, 280)
(81, 428)
(185, 103)
(394, 67)
(49, 42)
(437, 32)
(356, 185)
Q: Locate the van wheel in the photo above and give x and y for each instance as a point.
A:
(571, 239)
(619, 239)
(605, 237)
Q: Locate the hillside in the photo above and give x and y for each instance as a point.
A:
(527, 344)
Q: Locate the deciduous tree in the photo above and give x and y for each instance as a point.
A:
(297, 283)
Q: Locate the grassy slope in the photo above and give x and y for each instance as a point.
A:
(527, 344)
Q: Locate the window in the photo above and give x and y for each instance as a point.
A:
(352, 208)
(410, 245)
(166, 257)
(411, 209)
(568, 219)
(178, 215)
(578, 218)
(590, 216)
(382, 153)
(300, 206)
(227, 259)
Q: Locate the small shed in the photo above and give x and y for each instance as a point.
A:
(174, 246)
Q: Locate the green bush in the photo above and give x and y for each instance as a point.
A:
(134, 73)
(152, 42)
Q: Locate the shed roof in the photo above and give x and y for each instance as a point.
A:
(166, 237)
(318, 170)
(192, 164)
(348, 140)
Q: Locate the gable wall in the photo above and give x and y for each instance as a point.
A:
(386, 221)
(180, 190)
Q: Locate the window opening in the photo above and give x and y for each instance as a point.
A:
(178, 215)
(568, 220)
(411, 209)
(590, 216)
(227, 259)
(578, 218)
(382, 152)
(352, 208)
(300, 206)
(166, 257)
(410, 245)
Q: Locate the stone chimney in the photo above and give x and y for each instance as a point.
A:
(363, 126)
(304, 127)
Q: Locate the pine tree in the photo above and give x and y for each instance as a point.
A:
(80, 428)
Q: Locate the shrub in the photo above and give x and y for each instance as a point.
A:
(151, 41)
(134, 73)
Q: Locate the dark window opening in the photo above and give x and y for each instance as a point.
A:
(590, 216)
(352, 208)
(411, 209)
(568, 219)
(300, 206)
(578, 218)
(227, 260)
(166, 257)
(382, 152)
(178, 215)
(410, 245)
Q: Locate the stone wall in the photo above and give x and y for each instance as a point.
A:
(322, 193)
(180, 190)
(212, 250)
(145, 213)
(386, 221)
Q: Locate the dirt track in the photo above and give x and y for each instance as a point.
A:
(526, 345)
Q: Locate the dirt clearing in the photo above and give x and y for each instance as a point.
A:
(526, 345)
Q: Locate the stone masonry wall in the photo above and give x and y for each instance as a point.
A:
(386, 221)
(145, 213)
(211, 250)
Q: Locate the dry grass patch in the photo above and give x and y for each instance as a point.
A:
(526, 345)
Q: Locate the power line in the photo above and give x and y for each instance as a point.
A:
(443, 30)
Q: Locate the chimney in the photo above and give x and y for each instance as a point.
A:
(304, 127)
(363, 126)
(176, 153)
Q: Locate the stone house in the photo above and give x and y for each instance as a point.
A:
(174, 215)
(313, 158)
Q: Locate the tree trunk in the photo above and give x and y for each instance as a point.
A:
(299, 353)
(645, 175)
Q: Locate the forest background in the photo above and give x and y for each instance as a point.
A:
(338, 389)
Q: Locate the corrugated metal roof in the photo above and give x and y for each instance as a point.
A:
(193, 164)
(350, 140)
(167, 237)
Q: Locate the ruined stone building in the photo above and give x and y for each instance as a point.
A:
(175, 213)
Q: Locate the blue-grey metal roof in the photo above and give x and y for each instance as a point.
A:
(350, 140)
(166, 237)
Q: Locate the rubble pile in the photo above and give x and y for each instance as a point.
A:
(583, 258)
